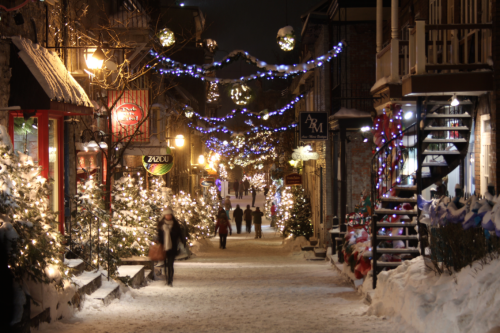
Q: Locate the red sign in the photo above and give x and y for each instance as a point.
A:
(129, 114)
(293, 179)
(130, 109)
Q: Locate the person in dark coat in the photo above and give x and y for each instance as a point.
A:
(238, 218)
(222, 225)
(241, 187)
(169, 235)
(266, 190)
(246, 183)
(254, 193)
(257, 222)
(236, 188)
(248, 218)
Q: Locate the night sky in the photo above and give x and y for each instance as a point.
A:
(251, 26)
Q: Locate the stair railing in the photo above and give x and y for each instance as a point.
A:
(393, 164)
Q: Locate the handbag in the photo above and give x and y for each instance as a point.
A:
(156, 252)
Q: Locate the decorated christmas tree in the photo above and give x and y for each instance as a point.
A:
(92, 229)
(135, 211)
(28, 226)
(284, 212)
(299, 223)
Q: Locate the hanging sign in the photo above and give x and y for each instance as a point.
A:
(207, 182)
(313, 125)
(127, 116)
(158, 165)
(293, 179)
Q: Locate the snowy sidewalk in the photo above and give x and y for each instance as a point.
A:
(255, 285)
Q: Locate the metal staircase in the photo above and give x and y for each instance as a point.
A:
(406, 165)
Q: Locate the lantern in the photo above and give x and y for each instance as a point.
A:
(166, 37)
(286, 38)
(213, 93)
(241, 94)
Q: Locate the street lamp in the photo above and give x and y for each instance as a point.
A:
(189, 112)
(179, 140)
(201, 159)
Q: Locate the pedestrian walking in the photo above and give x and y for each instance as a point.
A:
(241, 187)
(247, 186)
(273, 215)
(247, 214)
(238, 218)
(266, 190)
(236, 188)
(169, 235)
(257, 222)
(227, 206)
(222, 225)
(254, 194)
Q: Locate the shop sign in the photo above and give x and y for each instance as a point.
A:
(207, 181)
(158, 165)
(304, 153)
(129, 114)
(313, 125)
(293, 179)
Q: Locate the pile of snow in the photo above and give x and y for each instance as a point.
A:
(201, 245)
(464, 302)
(47, 295)
(294, 245)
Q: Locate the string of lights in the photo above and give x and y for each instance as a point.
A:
(172, 67)
(255, 129)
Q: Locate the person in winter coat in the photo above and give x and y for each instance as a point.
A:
(238, 218)
(241, 187)
(257, 222)
(222, 225)
(247, 186)
(169, 235)
(227, 206)
(248, 218)
(254, 194)
(273, 215)
(236, 186)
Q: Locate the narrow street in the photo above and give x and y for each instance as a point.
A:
(255, 285)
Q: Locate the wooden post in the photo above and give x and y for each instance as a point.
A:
(380, 21)
(420, 47)
(395, 60)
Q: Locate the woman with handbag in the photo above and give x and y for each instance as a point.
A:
(169, 235)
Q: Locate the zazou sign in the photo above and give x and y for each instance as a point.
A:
(304, 153)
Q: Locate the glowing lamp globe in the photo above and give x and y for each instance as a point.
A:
(167, 37)
(189, 112)
(241, 94)
(286, 38)
(179, 140)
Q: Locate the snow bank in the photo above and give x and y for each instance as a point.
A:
(465, 302)
(201, 245)
(294, 245)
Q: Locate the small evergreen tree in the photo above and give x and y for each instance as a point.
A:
(299, 223)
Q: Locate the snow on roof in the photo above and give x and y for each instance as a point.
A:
(344, 113)
(50, 73)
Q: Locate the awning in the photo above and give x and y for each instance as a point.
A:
(40, 80)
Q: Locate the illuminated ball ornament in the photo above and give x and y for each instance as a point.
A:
(166, 37)
(241, 94)
(286, 38)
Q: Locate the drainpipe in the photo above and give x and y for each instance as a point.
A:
(380, 21)
(394, 19)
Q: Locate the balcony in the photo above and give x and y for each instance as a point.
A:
(448, 58)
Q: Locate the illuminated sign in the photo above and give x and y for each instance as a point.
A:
(128, 114)
(158, 165)
(293, 179)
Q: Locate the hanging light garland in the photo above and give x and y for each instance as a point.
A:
(286, 38)
(224, 129)
(213, 93)
(167, 37)
(171, 67)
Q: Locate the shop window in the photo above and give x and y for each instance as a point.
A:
(26, 137)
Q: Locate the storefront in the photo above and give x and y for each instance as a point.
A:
(44, 92)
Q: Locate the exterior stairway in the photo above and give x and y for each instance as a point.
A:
(427, 153)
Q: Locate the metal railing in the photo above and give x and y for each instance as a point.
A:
(395, 163)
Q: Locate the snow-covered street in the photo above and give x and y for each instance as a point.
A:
(252, 286)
